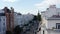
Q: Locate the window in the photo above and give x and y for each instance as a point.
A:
(3, 28)
(58, 25)
(2, 14)
(0, 19)
(39, 29)
(0, 26)
(3, 19)
(43, 31)
(4, 24)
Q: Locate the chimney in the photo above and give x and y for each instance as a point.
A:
(7, 14)
(12, 18)
(5, 9)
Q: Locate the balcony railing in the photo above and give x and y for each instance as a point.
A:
(56, 30)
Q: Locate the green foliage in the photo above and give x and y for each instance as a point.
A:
(39, 17)
(18, 30)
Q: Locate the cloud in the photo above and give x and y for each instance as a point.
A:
(46, 3)
(9, 0)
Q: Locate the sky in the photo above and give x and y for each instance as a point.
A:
(28, 6)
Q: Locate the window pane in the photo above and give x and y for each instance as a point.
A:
(3, 24)
(58, 26)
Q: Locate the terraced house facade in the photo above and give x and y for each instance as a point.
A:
(6, 20)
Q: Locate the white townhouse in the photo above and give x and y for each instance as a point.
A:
(2, 22)
(51, 20)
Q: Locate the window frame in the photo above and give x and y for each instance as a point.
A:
(57, 25)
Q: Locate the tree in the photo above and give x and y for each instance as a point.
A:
(18, 30)
(39, 16)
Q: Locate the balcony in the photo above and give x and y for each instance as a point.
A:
(57, 30)
(53, 29)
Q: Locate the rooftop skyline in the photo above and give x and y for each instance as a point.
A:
(29, 6)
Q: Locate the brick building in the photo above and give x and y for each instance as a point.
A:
(9, 18)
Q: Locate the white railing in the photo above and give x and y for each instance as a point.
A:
(53, 29)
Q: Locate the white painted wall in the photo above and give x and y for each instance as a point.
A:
(52, 32)
(2, 26)
(50, 23)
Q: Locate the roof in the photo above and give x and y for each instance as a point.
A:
(54, 17)
(43, 12)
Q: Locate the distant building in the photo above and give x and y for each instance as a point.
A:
(26, 21)
(6, 20)
(2, 22)
(10, 19)
(51, 20)
(22, 19)
(9, 13)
